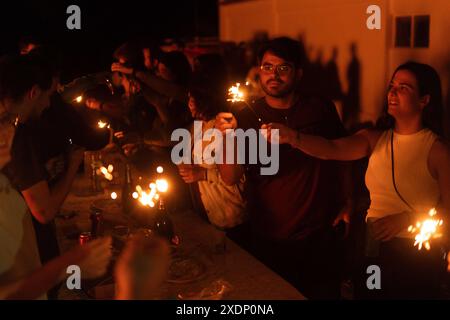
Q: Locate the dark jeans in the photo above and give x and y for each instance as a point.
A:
(406, 272)
(313, 265)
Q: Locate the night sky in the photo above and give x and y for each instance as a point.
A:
(104, 25)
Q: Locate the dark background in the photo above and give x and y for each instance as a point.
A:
(104, 26)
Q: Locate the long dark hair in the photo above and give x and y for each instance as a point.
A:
(429, 83)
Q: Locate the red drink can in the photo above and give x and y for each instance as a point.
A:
(84, 238)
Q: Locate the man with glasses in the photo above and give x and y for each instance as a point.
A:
(291, 212)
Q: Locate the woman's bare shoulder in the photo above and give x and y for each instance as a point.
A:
(440, 150)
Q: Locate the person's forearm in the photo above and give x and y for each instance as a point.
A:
(162, 86)
(113, 110)
(41, 280)
(315, 146)
(230, 173)
(159, 102)
(59, 191)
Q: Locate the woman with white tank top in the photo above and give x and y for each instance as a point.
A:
(408, 174)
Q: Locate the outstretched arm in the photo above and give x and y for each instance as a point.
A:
(354, 147)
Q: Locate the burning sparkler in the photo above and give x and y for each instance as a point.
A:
(102, 124)
(236, 94)
(150, 196)
(78, 99)
(426, 230)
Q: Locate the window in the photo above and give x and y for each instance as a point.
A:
(403, 32)
(421, 31)
(408, 37)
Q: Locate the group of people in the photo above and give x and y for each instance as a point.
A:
(290, 220)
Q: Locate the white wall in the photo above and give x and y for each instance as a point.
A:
(240, 21)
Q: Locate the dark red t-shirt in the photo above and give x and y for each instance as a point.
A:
(306, 194)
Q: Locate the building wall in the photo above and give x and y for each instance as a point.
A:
(324, 24)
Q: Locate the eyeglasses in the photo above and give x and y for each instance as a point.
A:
(280, 69)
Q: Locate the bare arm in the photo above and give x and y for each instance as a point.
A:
(41, 280)
(159, 101)
(162, 86)
(230, 173)
(113, 109)
(93, 260)
(439, 164)
(44, 202)
(354, 147)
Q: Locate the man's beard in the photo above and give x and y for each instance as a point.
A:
(279, 93)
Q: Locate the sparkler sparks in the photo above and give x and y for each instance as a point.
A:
(147, 197)
(236, 94)
(102, 124)
(426, 230)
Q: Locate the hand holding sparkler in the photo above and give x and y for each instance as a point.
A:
(286, 135)
(224, 121)
(386, 228)
(426, 230)
(236, 94)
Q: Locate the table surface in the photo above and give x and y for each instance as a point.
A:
(237, 272)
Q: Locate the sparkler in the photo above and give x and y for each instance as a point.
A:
(150, 196)
(102, 124)
(426, 230)
(78, 99)
(235, 94)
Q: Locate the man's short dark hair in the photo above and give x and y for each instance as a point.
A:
(286, 48)
(19, 73)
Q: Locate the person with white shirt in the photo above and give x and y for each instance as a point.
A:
(408, 174)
